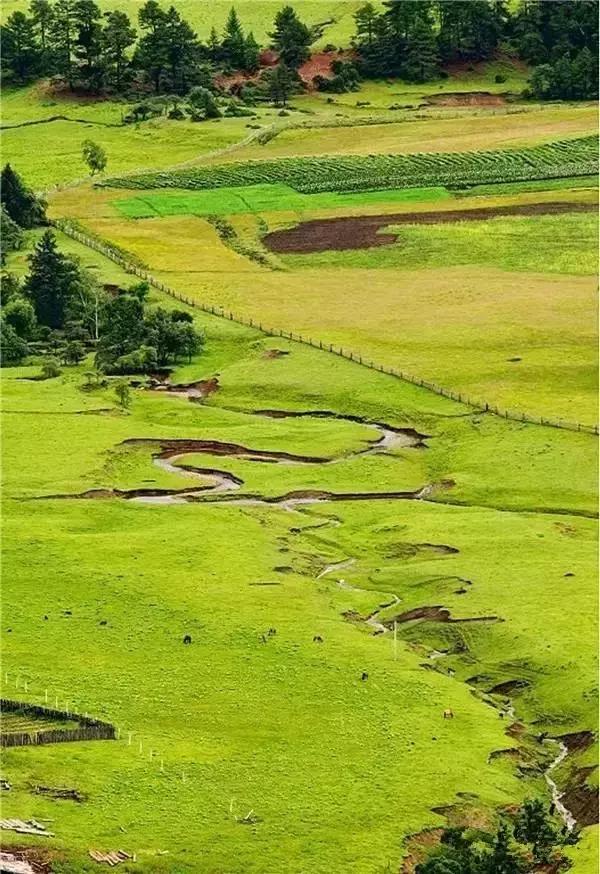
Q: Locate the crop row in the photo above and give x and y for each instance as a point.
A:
(578, 157)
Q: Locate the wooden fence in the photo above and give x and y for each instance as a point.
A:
(459, 397)
(87, 729)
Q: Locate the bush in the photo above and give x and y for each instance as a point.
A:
(499, 79)
(12, 347)
(50, 369)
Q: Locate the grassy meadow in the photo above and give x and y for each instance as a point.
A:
(255, 753)
(230, 724)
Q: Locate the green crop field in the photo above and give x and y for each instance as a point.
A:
(349, 173)
(330, 611)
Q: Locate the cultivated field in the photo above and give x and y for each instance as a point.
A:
(350, 554)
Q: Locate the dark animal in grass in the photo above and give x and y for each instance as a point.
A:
(317, 639)
(448, 714)
(103, 622)
(263, 639)
(364, 676)
(45, 618)
(187, 639)
(271, 632)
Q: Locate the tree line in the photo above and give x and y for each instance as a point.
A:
(96, 52)
(60, 306)
(416, 40)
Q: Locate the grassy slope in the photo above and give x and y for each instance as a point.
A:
(206, 735)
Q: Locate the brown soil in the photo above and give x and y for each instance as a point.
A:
(578, 740)
(275, 353)
(320, 65)
(508, 687)
(361, 420)
(434, 614)
(362, 232)
(418, 847)
(467, 98)
(582, 801)
(168, 448)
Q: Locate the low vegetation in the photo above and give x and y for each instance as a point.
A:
(358, 173)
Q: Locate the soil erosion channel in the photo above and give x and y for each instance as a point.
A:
(214, 483)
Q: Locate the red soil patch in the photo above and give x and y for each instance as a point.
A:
(268, 58)
(362, 232)
(467, 98)
(320, 65)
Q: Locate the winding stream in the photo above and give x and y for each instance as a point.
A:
(565, 814)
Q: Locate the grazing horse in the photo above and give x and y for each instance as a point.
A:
(271, 632)
(364, 676)
(448, 714)
(317, 639)
(187, 639)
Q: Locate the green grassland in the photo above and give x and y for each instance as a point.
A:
(245, 752)
(235, 724)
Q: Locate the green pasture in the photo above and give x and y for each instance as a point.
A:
(154, 143)
(229, 724)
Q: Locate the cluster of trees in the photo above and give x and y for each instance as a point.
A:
(531, 841)
(94, 51)
(135, 339)
(60, 304)
(414, 40)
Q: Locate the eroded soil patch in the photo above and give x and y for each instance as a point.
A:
(362, 232)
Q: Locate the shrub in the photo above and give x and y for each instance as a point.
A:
(50, 369)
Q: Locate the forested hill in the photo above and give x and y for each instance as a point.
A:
(89, 49)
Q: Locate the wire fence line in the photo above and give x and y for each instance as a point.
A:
(460, 397)
(35, 699)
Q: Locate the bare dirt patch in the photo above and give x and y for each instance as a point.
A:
(466, 98)
(362, 232)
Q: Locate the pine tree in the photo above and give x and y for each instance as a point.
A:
(88, 43)
(117, 37)
(251, 54)
(53, 279)
(150, 53)
(42, 15)
(291, 38)
(62, 37)
(215, 50)
(20, 202)
(182, 50)
(21, 51)
(281, 84)
(421, 61)
(365, 19)
(233, 46)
